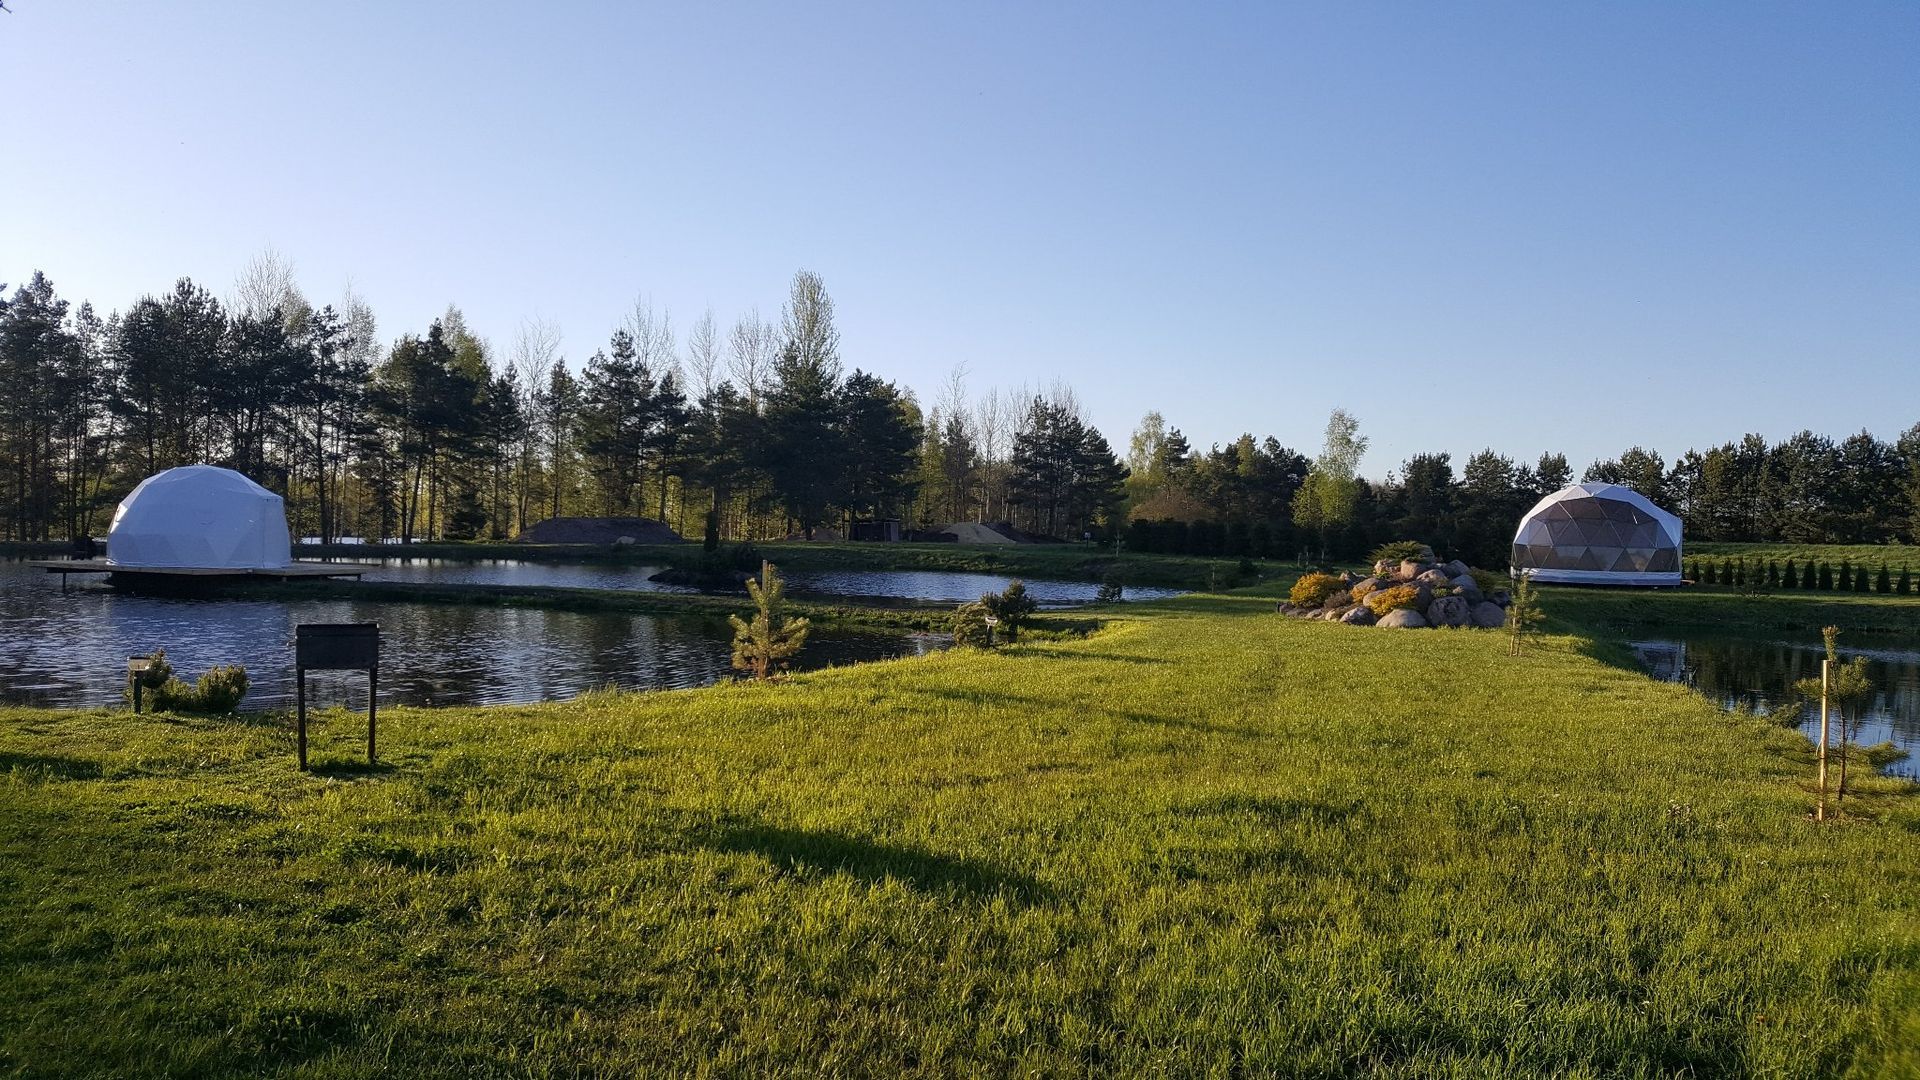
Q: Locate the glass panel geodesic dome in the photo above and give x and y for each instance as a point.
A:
(200, 517)
(1599, 534)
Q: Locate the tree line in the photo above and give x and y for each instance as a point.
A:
(754, 433)
(438, 435)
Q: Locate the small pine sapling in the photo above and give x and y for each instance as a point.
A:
(1773, 574)
(1826, 577)
(1905, 587)
(1523, 612)
(1012, 608)
(970, 627)
(1846, 575)
(766, 645)
(1789, 578)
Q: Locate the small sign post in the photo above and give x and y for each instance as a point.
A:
(337, 647)
(137, 668)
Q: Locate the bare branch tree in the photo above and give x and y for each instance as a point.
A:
(703, 355)
(751, 346)
(267, 285)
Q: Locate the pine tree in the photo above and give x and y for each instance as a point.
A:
(1883, 582)
(766, 644)
(1773, 574)
(1789, 578)
(1011, 609)
(1846, 575)
(1710, 577)
(1861, 580)
(1826, 578)
(1523, 611)
(1905, 588)
(1726, 571)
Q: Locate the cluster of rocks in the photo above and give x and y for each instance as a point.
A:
(1444, 594)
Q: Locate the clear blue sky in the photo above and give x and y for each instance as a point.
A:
(1531, 226)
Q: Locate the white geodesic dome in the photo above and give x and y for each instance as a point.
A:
(1598, 534)
(200, 517)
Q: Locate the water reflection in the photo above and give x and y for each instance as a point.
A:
(937, 586)
(71, 649)
(1760, 673)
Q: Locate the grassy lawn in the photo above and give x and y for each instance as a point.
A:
(1605, 612)
(1206, 840)
(1892, 556)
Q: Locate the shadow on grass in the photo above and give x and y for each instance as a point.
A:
(51, 766)
(349, 769)
(1115, 658)
(872, 862)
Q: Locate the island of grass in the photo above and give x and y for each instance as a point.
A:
(1204, 840)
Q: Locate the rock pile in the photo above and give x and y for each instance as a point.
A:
(1407, 594)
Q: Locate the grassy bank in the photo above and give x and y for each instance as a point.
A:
(1061, 562)
(1610, 612)
(1892, 556)
(1206, 840)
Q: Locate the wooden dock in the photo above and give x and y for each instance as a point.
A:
(185, 575)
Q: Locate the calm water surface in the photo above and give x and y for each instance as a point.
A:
(1760, 672)
(937, 586)
(71, 650)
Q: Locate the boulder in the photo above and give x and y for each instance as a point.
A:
(1455, 568)
(1408, 570)
(1332, 614)
(1357, 616)
(1367, 585)
(1433, 579)
(1488, 615)
(1348, 577)
(1384, 568)
(1402, 619)
(1501, 597)
(624, 541)
(1450, 611)
(1468, 587)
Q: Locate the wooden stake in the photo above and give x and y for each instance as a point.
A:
(1826, 676)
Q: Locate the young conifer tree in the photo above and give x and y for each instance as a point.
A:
(1883, 582)
(1826, 577)
(1773, 574)
(765, 645)
(1789, 578)
(1906, 583)
(1846, 575)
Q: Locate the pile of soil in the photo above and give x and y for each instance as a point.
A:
(600, 530)
(992, 532)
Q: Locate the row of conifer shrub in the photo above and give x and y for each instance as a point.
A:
(1771, 574)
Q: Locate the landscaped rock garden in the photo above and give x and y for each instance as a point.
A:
(1404, 594)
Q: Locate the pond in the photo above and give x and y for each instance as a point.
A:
(933, 586)
(71, 649)
(1760, 672)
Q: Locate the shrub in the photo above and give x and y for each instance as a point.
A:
(1861, 580)
(1883, 582)
(1846, 575)
(1789, 578)
(1313, 589)
(1489, 581)
(1012, 607)
(1111, 591)
(1773, 573)
(1394, 599)
(1709, 577)
(1808, 579)
(157, 675)
(220, 689)
(1906, 583)
(970, 629)
(1399, 550)
(1726, 571)
(1826, 577)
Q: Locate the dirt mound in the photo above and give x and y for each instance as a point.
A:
(992, 532)
(600, 530)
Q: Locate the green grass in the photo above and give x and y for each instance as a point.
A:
(1893, 556)
(1204, 841)
(1609, 612)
